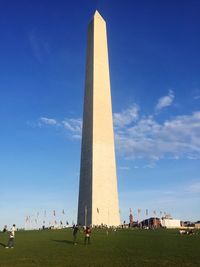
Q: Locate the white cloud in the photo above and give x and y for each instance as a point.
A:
(47, 121)
(147, 139)
(73, 125)
(196, 94)
(126, 117)
(165, 101)
(151, 165)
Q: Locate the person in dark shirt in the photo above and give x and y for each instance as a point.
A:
(87, 235)
(75, 233)
(5, 229)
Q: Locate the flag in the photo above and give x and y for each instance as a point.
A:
(54, 213)
(63, 212)
(146, 212)
(97, 210)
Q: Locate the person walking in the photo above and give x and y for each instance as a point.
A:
(11, 237)
(87, 235)
(5, 229)
(75, 233)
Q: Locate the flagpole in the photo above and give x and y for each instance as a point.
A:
(139, 210)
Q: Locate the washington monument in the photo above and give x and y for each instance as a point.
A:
(98, 195)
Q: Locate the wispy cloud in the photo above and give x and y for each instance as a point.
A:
(196, 94)
(149, 139)
(72, 126)
(165, 101)
(47, 121)
(39, 47)
(144, 137)
(126, 117)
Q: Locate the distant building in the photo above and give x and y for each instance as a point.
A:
(188, 224)
(170, 223)
(151, 223)
(197, 225)
(164, 222)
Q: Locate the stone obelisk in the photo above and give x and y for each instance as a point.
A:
(98, 194)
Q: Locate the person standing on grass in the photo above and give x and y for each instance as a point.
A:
(87, 235)
(11, 237)
(5, 229)
(75, 232)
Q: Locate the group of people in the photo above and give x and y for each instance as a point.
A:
(11, 233)
(87, 232)
(187, 232)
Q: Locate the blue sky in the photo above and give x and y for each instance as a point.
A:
(154, 67)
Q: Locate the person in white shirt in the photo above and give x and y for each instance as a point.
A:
(11, 237)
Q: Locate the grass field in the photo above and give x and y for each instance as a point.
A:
(121, 248)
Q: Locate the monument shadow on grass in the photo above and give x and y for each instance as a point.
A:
(64, 241)
(3, 245)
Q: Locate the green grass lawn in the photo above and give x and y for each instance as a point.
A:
(121, 248)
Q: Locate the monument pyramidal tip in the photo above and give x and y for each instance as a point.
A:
(98, 194)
